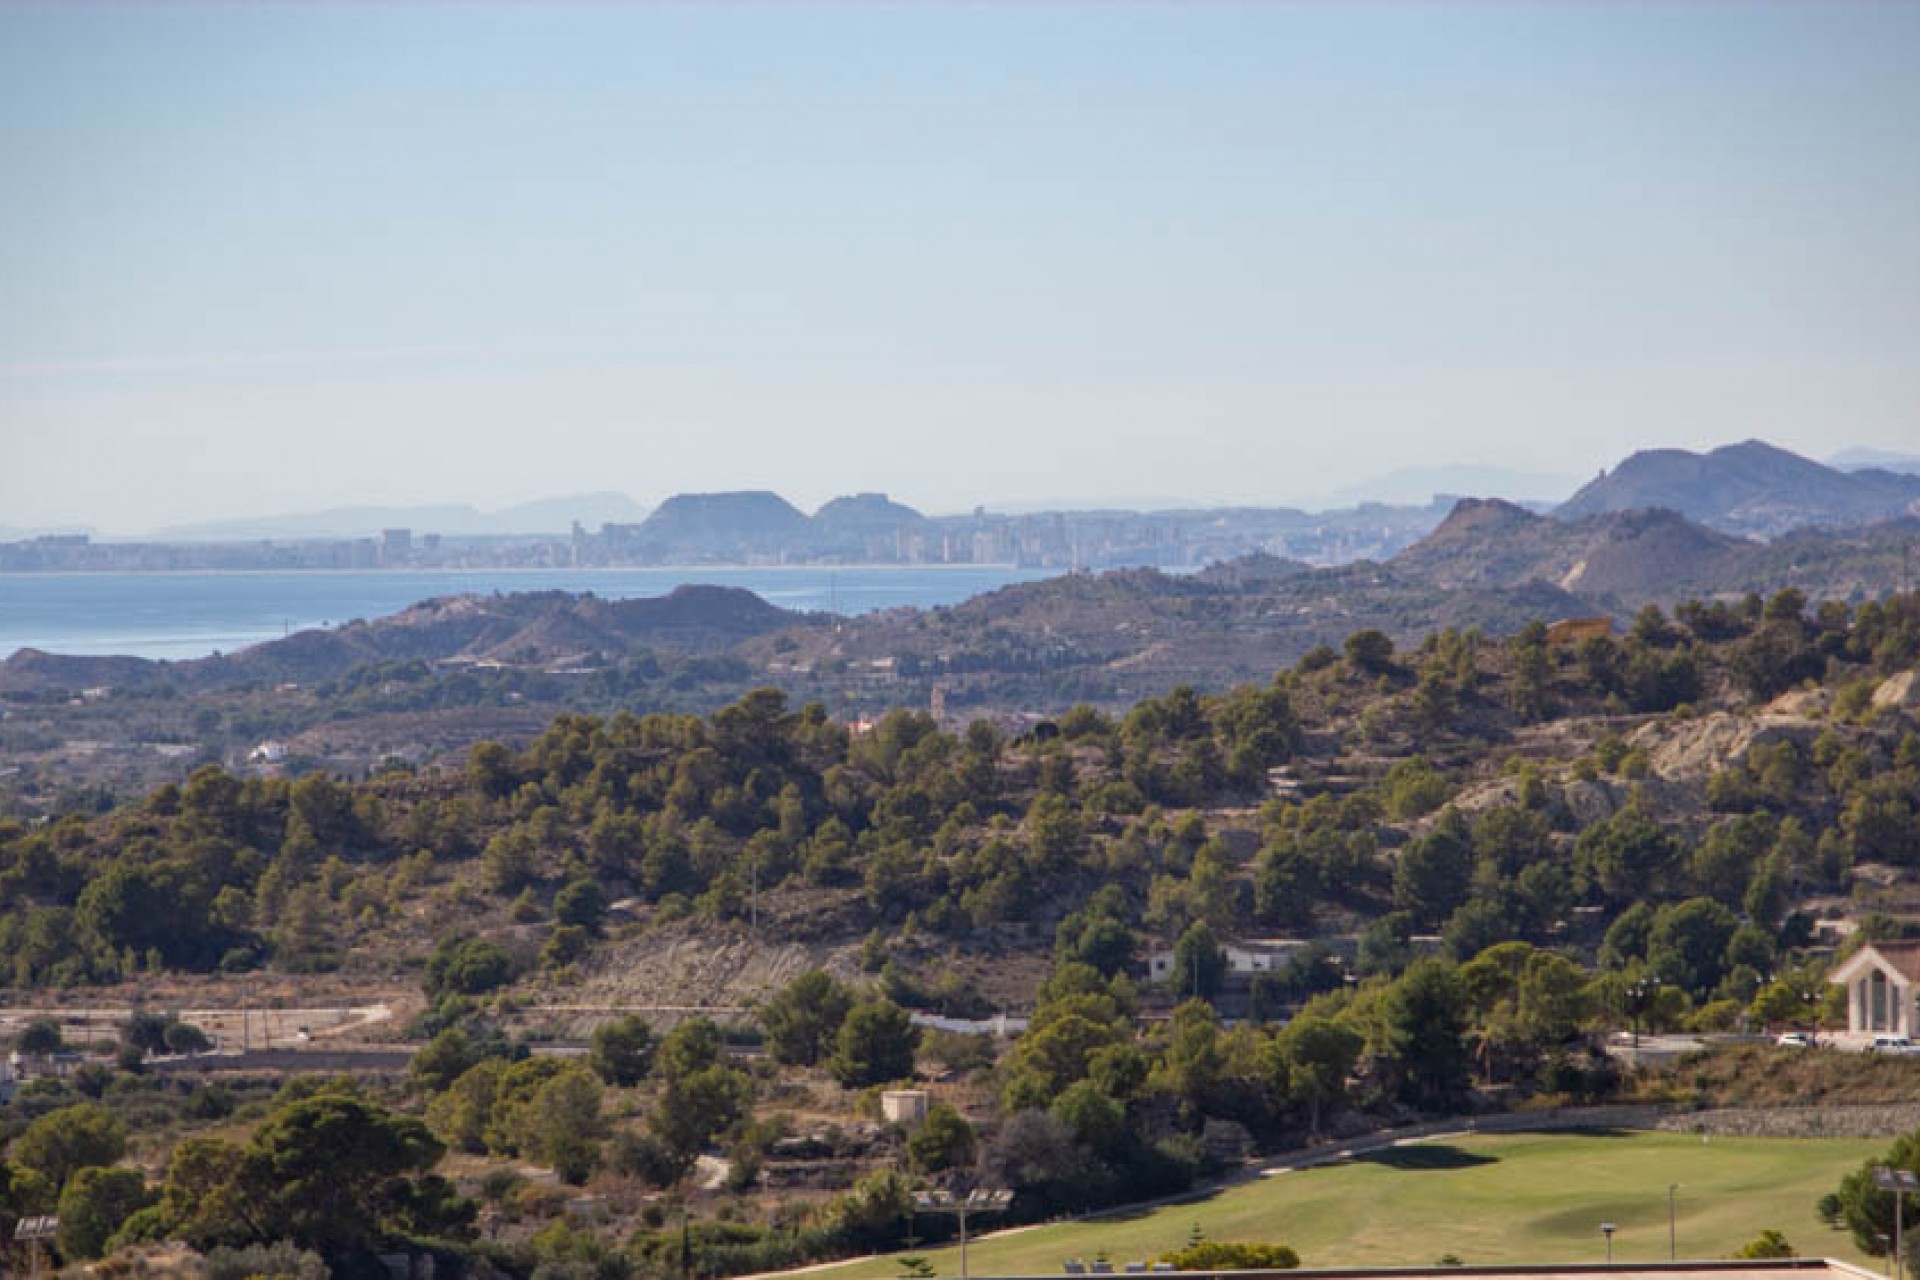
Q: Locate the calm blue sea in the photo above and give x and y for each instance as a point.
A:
(189, 615)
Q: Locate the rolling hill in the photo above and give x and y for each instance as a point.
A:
(1752, 489)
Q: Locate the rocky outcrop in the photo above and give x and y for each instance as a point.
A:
(1901, 692)
(1695, 749)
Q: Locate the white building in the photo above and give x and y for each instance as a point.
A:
(1880, 979)
(1248, 957)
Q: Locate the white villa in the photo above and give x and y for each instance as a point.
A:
(1881, 979)
(1249, 956)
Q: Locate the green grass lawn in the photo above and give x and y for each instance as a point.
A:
(1512, 1198)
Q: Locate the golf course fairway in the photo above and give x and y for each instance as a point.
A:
(1482, 1199)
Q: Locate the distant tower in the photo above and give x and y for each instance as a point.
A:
(938, 704)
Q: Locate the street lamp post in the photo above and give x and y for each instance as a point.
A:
(1606, 1229)
(34, 1233)
(1898, 1181)
(1673, 1237)
(1640, 998)
(978, 1200)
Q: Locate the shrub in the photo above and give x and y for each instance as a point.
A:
(1768, 1244)
(1224, 1255)
(467, 966)
(278, 1259)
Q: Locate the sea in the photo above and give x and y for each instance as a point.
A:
(191, 615)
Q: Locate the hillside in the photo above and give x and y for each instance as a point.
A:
(1752, 489)
(1624, 559)
(446, 668)
(1632, 556)
(720, 527)
(864, 513)
(1465, 863)
(1112, 638)
(532, 629)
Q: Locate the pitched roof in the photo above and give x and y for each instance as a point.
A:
(1901, 957)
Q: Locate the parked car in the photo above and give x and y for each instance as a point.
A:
(1893, 1045)
(1795, 1040)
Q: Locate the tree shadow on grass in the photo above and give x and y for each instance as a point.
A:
(1425, 1155)
(1130, 1213)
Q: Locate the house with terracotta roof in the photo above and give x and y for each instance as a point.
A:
(1881, 979)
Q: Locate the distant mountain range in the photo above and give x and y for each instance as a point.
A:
(15, 533)
(1862, 459)
(1417, 486)
(1752, 489)
(547, 515)
(1620, 559)
(1109, 637)
(767, 512)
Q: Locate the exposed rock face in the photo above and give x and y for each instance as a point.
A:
(1701, 748)
(1812, 704)
(1901, 691)
(683, 966)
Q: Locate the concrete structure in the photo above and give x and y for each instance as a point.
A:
(1000, 1024)
(1880, 979)
(904, 1106)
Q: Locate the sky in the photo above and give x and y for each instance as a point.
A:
(278, 257)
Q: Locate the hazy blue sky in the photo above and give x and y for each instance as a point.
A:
(260, 258)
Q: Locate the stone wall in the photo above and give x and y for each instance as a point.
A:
(1883, 1121)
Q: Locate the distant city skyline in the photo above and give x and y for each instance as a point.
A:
(257, 260)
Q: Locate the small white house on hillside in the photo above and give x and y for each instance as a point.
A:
(1244, 957)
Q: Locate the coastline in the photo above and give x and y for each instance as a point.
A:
(428, 571)
(188, 613)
